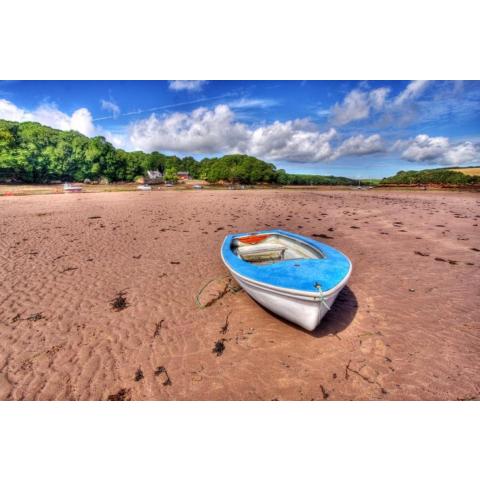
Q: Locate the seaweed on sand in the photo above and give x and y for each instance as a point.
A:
(224, 329)
(219, 347)
(161, 370)
(121, 395)
(119, 302)
(158, 327)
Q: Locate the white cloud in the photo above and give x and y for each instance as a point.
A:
(358, 104)
(412, 91)
(111, 106)
(202, 130)
(294, 141)
(216, 131)
(253, 103)
(359, 145)
(190, 85)
(48, 114)
(438, 150)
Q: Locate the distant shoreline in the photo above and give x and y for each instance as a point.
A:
(21, 189)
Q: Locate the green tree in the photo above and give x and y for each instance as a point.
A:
(170, 174)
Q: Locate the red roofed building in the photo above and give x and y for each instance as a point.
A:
(183, 176)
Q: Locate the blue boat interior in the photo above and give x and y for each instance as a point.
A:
(286, 260)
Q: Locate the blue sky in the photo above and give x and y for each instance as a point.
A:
(352, 128)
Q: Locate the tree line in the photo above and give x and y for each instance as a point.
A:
(33, 153)
(441, 176)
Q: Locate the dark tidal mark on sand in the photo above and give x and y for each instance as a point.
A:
(475, 249)
(138, 375)
(68, 269)
(137, 257)
(94, 217)
(354, 226)
(175, 263)
(321, 235)
(421, 254)
(158, 328)
(119, 302)
(219, 347)
(121, 395)
(161, 370)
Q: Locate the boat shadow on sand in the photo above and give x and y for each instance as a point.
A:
(337, 319)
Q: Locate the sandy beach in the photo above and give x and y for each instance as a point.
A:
(407, 326)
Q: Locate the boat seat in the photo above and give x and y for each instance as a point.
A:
(261, 253)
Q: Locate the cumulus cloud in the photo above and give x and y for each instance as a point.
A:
(358, 104)
(111, 107)
(48, 114)
(214, 131)
(438, 150)
(360, 145)
(189, 85)
(294, 140)
(201, 131)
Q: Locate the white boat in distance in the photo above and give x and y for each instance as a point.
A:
(145, 188)
(69, 188)
(293, 276)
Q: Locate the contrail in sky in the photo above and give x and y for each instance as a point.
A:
(163, 107)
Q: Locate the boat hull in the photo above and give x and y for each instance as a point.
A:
(306, 312)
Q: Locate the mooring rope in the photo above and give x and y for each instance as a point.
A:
(229, 288)
(322, 296)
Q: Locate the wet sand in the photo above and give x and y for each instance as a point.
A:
(97, 298)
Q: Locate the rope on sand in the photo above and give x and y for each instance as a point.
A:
(229, 288)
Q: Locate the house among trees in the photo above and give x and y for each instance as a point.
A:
(183, 176)
(154, 176)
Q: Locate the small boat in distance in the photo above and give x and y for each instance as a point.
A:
(69, 188)
(197, 187)
(293, 276)
(144, 187)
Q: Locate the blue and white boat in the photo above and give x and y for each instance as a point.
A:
(293, 276)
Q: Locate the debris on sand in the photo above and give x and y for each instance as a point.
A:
(219, 347)
(122, 395)
(158, 327)
(167, 380)
(119, 303)
(421, 254)
(138, 375)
